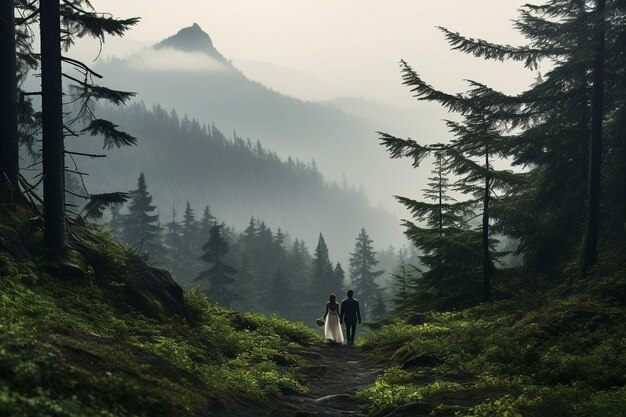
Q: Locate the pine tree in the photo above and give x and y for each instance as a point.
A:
(339, 276)
(594, 183)
(248, 283)
(362, 273)
(116, 225)
(379, 311)
(279, 247)
(477, 139)
(140, 225)
(299, 269)
(323, 281)
(60, 24)
(264, 258)
(55, 235)
(189, 248)
(206, 223)
(189, 229)
(219, 276)
(562, 117)
(279, 295)
(403, 286)
(173, 245)
(9, 147)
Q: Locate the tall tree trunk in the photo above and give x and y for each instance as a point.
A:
(590, 248)
(440, 199)
(487, 267)
(9, 157)
(52, 128)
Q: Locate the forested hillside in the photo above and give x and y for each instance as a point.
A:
(134, 244)
(193, 77)
(473, 336)
(184, 160)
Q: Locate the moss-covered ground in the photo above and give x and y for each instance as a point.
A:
(557, 353)
(75, 347)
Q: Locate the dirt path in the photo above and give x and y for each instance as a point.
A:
(335, 374)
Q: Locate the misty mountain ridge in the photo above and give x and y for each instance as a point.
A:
(191, 39)
(238, 178)
(341, 143)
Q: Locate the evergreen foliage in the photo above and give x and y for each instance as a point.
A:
(549, 130)
(60, 24)
(271, 269)
(380, 310)
(172, 240)
(141, 227)
(280, 296)
(339, 276)
(362, 273)
(562, 120)
(323, 280)
(406, 286)
(186, 159)
(81, 347)
(219, 276)
(9, 142)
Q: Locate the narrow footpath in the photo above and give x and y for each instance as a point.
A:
(335, 374)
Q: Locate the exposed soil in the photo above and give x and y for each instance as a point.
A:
(335, 374)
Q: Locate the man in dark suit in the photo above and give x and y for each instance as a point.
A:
(350, 313)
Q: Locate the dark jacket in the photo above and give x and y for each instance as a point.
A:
(350, 311)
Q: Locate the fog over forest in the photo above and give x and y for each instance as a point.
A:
(236, 208)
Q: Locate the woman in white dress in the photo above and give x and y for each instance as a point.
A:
(332, 324)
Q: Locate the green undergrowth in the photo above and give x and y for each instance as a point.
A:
(74, 348)
(558, 354)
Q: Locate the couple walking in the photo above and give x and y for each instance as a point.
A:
(348, 312)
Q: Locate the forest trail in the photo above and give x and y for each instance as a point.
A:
(334, 375)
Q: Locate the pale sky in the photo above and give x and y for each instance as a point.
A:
(325, 49)
(345, 47)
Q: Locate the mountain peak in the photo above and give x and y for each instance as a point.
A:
(191, 39)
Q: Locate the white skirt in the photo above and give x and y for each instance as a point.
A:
(332, 328)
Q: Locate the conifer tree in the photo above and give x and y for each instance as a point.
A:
(9, 155)
(477, 139)
(248, 282)
(279, 296)
(116, 224)
(380, 310)
(279, 247)
(339, 276)
(219, 276)
(300, 269)
(189, 248)
(563, 117)
(60, 24)
(323, 280)
(249, 234)
(140, 225)
(206, 223)
(173, 244)
(52, 126)
(362, 273)
(476, 143)
(404, 286)
(592, 224)
(189, 229)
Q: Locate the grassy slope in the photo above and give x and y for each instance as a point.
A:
(76, 348)
(560, 353)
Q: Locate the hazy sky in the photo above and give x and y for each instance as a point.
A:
(338, 47)
(325, 49)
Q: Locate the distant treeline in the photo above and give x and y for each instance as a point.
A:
(257, 269)
(187, 160)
